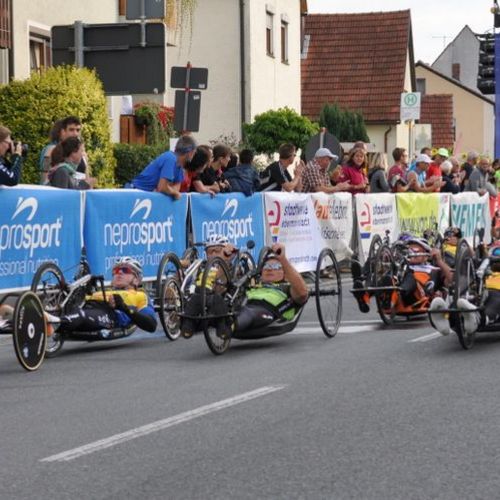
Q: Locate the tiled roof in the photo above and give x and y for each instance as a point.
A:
(437, 109)
(358, 61)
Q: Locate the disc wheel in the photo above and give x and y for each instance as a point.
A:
(328, 292)
(384, 276)
(215, 285)
(30, 331)
(466, 287)
(170, 266)
(375, 244)
(49, 285)
(171, 305)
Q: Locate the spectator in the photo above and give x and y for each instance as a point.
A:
(426, 150)
(165, 173)
(496, 173)
(434, 170)
(353, 172)
(276, 177)
(315, 177)
(10, 169)
(65, 158)
(478, 180)
(213, 175)
(71, 126)
(451, 180)
(193, 170)
(417, 176)
(233, 161)
(244, 178)
(399, 169)
(468, 167)
(377, 174)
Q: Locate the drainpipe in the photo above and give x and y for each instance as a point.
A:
(386, 133)
(242, 64)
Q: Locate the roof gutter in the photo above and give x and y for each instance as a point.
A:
(242, 66)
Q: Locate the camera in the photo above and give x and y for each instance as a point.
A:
(24, 148)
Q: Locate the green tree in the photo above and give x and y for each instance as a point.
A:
(275, 127)
(30, 107)
(345, 125)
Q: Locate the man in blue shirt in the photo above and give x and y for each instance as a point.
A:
(164, 174)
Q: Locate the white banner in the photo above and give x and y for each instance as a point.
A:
(291, 221)
(335, 217)
(375, 213)
(469, 212)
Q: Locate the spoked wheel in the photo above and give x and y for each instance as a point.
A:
(30, 331)
(48, 283)
(466, 287)
(170, 308)
(215, 284)
(170, 266)
(375, 244)
(262, 256)
(243, 265)
(328, 292)
(54, 345)
(384, 277)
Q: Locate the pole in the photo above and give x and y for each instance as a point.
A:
(79, 58)
(143, 23)
(187, 90)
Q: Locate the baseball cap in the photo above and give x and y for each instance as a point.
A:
(322, 152)
(443, 152)
(423, 158)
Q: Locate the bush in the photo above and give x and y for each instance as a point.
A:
(30, 107)
(132, 158)
(158, 119)
(345, 125)
(275, 127)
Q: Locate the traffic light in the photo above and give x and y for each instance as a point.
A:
(486, 72)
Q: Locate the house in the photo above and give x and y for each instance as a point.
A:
(252, 52)
(363, 62)
(472, 111)
(460, 59)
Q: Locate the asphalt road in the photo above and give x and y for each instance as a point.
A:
(375, 413)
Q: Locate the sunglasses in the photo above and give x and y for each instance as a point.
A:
(272, 266)
(122, 270)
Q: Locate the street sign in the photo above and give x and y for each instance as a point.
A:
(153, 9)
(323, 140)
(410, 106)
(198, 78)
(191, 121)
(115, 52)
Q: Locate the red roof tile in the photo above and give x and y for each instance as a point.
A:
(358, 61)
(437, 109)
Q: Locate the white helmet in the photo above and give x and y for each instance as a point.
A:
(216, 240)
(132, 264)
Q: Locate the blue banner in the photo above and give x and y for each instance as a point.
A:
(37, 225)
(236, 216)
(129, 222)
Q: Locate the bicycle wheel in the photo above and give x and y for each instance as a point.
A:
(384, 277)
(466, 287)
(243, 265)
(375, 244)
(50, 287)
(171, 304)
(170, 266)
(215, 284)
(30, 331)
(328, 292)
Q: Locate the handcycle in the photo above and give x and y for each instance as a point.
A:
(27, 326)
(324, 284)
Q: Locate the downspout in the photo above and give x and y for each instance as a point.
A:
(386, 133)
(242, 65)
(11, 49)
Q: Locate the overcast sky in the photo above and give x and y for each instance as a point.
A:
(430, 18)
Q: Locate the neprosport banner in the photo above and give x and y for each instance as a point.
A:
(134, 223)
(469, 212)
(238, 217)
(37, 225)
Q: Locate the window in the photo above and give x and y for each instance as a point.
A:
(269, 34)
(284, 42)
(5, 29)
(421, 85)
(455, 71)
(40, 56)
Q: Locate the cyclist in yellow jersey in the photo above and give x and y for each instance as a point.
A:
(125, 304)
(451, 236)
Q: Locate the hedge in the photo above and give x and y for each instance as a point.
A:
(132, 158)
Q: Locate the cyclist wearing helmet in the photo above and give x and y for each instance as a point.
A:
(474, 320)
(124, 305)
(451, 236)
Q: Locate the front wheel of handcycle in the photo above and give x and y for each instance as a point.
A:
(29, 331)
(375, 244)
(215, 285)
(170, 308)
(328, 292)
(384, 277)
(466, 287)
(49, 285)
(170, 267)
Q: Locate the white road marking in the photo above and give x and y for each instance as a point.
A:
(159, 425)
(307, 330)
(426, 338)
(344, 322)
